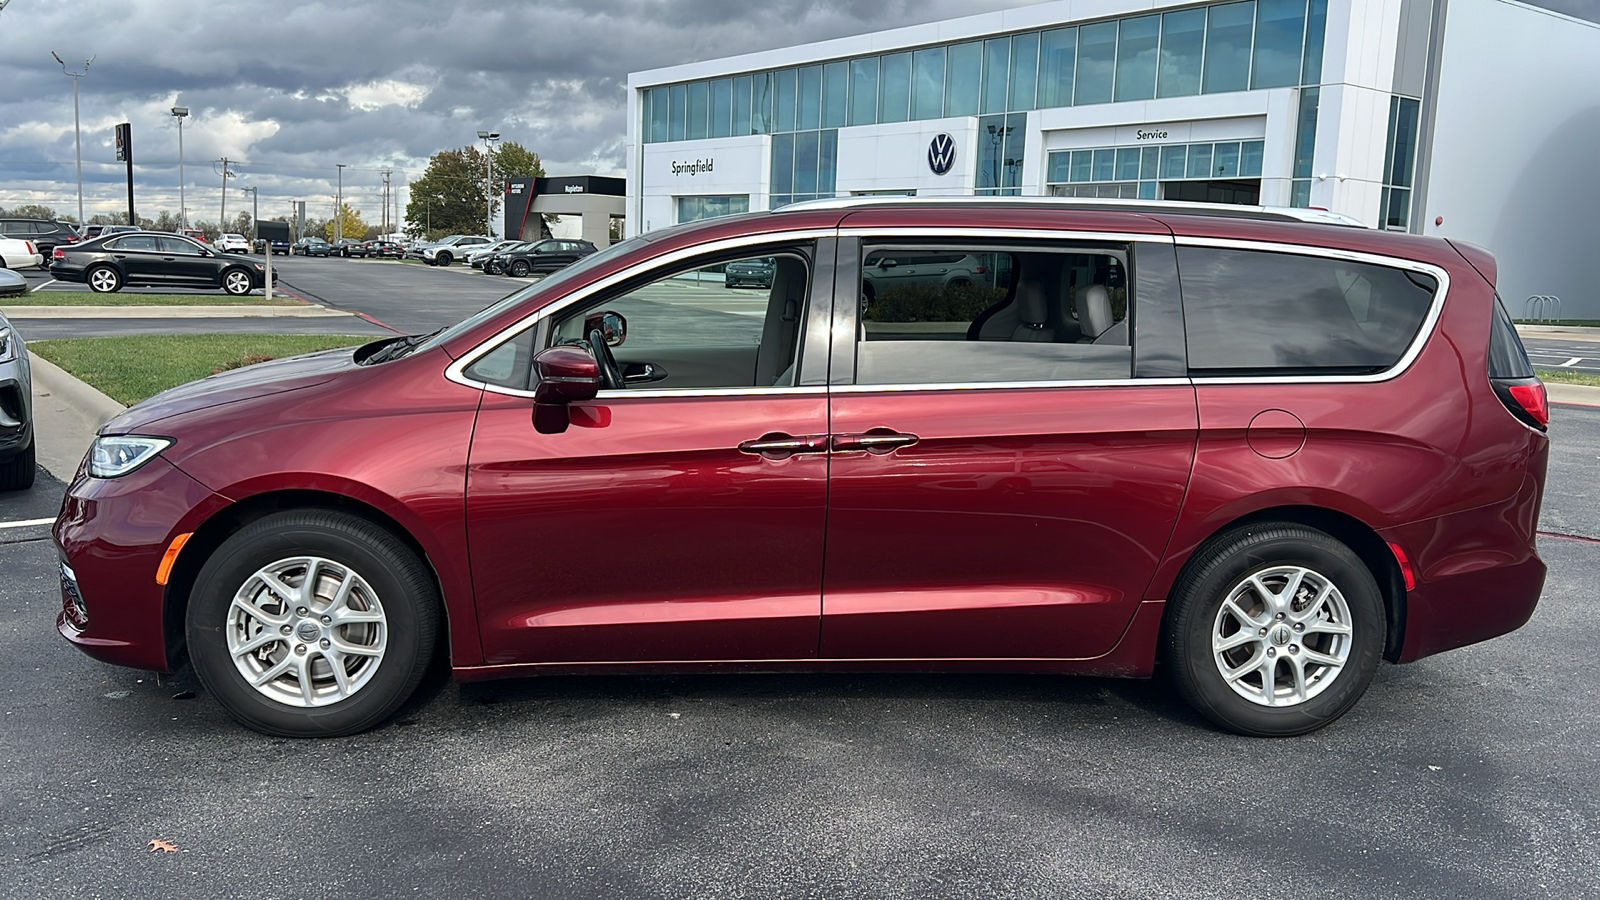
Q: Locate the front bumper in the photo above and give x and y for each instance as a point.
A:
(111, 535)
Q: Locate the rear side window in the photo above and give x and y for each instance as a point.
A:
(1259, 312)
(1507, 357)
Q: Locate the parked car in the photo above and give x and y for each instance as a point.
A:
(544, 256)
(45, 234)
(477, 256)
(16, 253)
(142, 258)
(448, 249)
(310, 246)
(385, 250)
(94, 231)
(16, 402)
(12, 284)
(342, 247)
(1325, 449)
(749, 273)
(233, 243)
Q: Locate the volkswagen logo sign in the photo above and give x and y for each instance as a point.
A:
(942, 154)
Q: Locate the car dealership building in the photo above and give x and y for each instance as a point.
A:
(1471, 119)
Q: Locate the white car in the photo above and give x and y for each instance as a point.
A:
(233, 243)
(19, 254)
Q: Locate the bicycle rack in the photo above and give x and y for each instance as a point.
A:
(1542, 308)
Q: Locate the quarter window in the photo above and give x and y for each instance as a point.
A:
(951, 315)
(135, 242)
(1259, 312)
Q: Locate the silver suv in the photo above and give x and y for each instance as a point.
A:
(447, 250)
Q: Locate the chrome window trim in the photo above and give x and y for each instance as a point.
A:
(456, 371)
(1010, 385)
(1430, 322)
(947, 234)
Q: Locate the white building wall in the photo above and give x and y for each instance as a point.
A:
(715, 167)
(1358, 65)
(1516, 141)
(894, 157)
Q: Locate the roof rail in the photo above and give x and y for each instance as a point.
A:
(1173, 207)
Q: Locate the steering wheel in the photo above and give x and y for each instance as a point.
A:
(610, 372)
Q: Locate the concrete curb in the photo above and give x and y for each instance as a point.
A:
(1565, 332)
(1577, 394)
(66, 415)
(171, 312)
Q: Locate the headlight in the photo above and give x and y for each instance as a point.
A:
(115, 456)
(8, 342)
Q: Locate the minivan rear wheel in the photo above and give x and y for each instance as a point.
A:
(1274, 629)
(312, 623)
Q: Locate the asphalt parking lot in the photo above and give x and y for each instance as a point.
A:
(1467, 775)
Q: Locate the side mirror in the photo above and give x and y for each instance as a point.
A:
(886, 263)
(567, 374)
(612, 326)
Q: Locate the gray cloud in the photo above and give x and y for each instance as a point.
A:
(290, 89)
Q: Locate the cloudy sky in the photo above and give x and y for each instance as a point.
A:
(289, 89)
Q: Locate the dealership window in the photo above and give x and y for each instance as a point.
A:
(1305, 143)
(1135, 172)
(955, 313)
(1210, 49)
(693, 209)
(1000, 148)
(1400, 157)
(804, 166)
(1254, 312)
(1138, 45)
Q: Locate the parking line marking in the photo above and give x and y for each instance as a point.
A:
(1570, 363)
(27, 523)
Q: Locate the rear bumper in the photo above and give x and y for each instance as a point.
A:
(1478, 574)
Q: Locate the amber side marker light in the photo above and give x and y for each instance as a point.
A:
(164, 571)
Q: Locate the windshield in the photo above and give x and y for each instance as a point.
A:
(554, 282)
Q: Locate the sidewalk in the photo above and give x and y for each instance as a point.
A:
(66, 415)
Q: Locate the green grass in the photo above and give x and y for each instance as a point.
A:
(89, 298)
(129, 369)
(1560, 376)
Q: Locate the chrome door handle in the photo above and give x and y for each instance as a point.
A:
(777, 445)
(646, 374)
(878, 440)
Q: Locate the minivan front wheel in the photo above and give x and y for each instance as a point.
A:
(312, 623)
(1274, 630)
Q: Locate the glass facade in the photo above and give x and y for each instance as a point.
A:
(1399, 163)
(693, 209)
(1305, 143)
(1201, 50)
(1134, 172)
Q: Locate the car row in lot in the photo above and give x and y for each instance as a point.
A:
(1323, 447)
(145, 258)
(523, 258)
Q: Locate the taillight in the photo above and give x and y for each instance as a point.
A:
(29, 245)
(1532, 399)
(58, 253)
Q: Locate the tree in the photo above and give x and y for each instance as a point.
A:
(451, 196)
(40, 211)
(353, 226)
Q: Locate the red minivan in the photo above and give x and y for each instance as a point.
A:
(1260, 448)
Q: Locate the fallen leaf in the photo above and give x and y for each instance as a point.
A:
(163, 845)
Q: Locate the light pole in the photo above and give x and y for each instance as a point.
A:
(180, 113)
(255, 214)
(338, 206)
(77, 133)
(489, 138)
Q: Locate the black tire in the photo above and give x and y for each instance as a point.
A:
(404, 593)
(520, 268)
(103, 279)
(1282, 646)
(443, 258)
(16, 473)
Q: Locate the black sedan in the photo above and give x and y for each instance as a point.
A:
(109, 263)
(544, 256)
(346, 247)
(753, 272)
(311, 246)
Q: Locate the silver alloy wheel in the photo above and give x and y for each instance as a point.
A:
(306, 631)
(236, 282)
(1282, 636)
(103, 280)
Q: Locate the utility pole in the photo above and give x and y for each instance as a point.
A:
(338, 207)
(226, 174)
(77, 133)
(386, 174)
